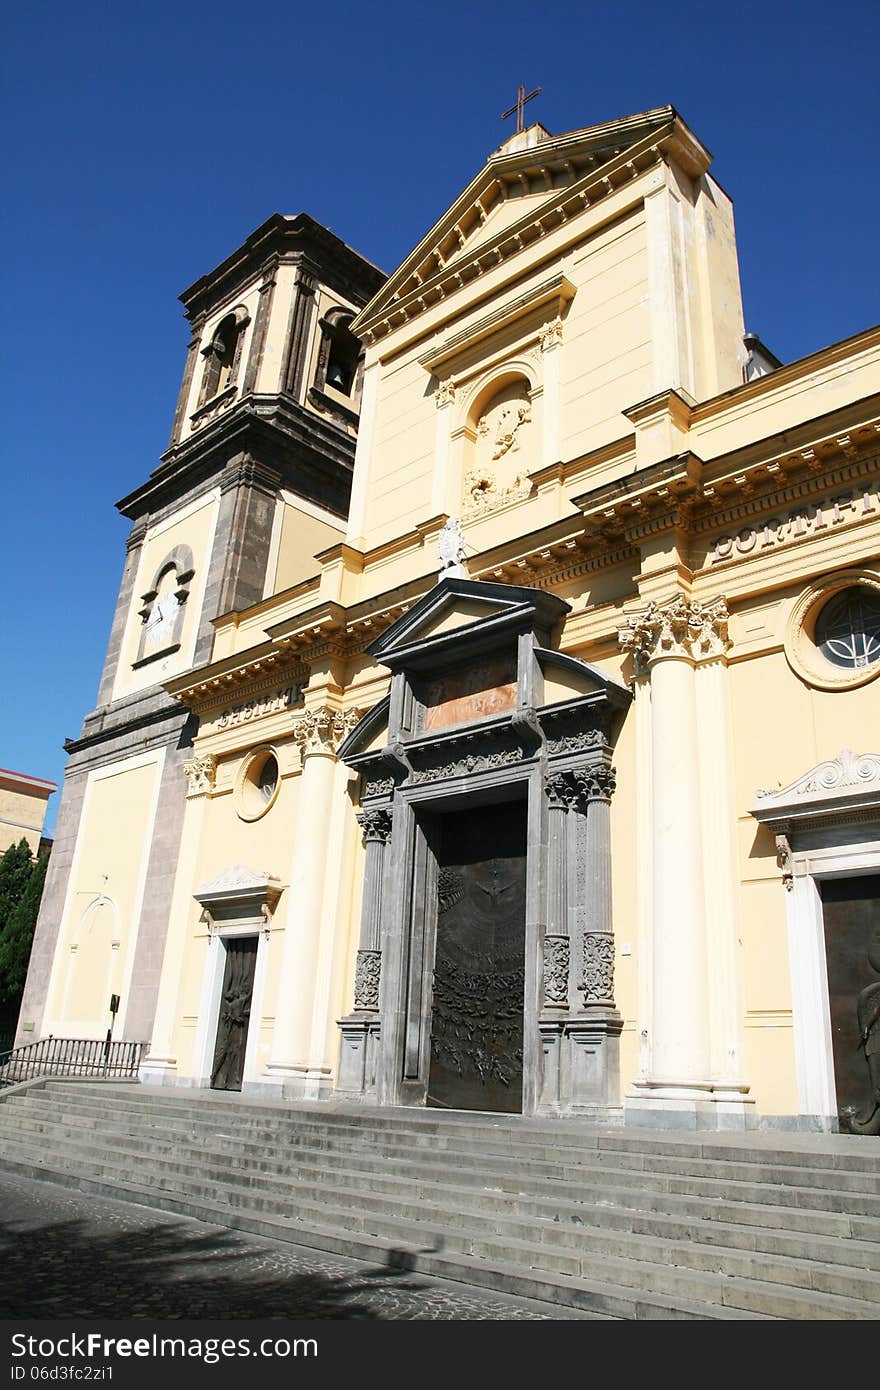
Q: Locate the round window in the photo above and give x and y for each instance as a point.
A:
(258, 783)
(832, 638)
(848, 628)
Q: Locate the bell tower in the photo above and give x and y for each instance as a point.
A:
(254, 483)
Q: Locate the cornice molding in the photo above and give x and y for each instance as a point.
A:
(557, 291)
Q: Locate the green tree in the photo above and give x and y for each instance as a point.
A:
(17, 933)
(16, 867)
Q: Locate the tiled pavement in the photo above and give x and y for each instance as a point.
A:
(67, 1254)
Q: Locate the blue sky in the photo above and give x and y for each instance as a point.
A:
(144, 142)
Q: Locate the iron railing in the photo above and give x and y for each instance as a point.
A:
(70, 1057)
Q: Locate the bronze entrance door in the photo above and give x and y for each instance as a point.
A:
(479, 961)
(851, 911)
(235, 1013)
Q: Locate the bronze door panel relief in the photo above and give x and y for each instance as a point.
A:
(235, 1013)
(851, 909)
(479, 961)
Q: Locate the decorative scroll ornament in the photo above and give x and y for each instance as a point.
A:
(445, 394)
(848, 769)
(551, 337)
(201, 774)
(379, 786)
(323, 730)
(580, 742)
(678, 627)
(367, 975)
(557, 953)
(376, 825)
(598, 981)
(473, 762)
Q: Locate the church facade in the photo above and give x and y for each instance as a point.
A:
(523, 756)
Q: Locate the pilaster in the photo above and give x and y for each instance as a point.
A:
(298, 1064)
(668, 640)
(160, 1064)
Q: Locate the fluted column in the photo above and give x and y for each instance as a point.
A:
(557, 944)
(376, 825)
(319, 734)
(596, 787)
(667, 640)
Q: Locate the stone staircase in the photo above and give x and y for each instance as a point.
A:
(614, 1223)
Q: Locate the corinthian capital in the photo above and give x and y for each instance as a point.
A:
(201, 774)
(445, 394)
(376, 825)
(678, 627)
(323, 730)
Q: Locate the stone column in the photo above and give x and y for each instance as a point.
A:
(721, 881)
(319, 733)
(557, 943)
(360, 1029)
(667, 640)
(376, 826)
(596, 786)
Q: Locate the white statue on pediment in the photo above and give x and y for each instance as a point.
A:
(450, 544)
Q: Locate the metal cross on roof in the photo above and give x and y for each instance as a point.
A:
(519, 106)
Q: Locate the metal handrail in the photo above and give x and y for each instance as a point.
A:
(70, 1057)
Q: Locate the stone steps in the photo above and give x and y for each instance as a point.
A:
(612, 1224)
(226, 1156)
(658, 1175)
(547, 1242)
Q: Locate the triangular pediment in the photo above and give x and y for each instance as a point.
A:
(464, 613)
(519, 194)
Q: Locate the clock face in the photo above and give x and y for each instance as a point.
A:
(160, 624)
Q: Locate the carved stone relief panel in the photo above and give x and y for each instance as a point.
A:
(504, 450)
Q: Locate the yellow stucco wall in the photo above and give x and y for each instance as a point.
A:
(98, 928)
(194, 527)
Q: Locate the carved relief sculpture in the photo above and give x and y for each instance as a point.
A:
(557, 952)
(499, 472)
(367, 978)
(867, 1120)
(598, 981)
(201, 774)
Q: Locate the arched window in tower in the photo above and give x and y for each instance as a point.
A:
(162, 613)
(222, 354)
(340, 354)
